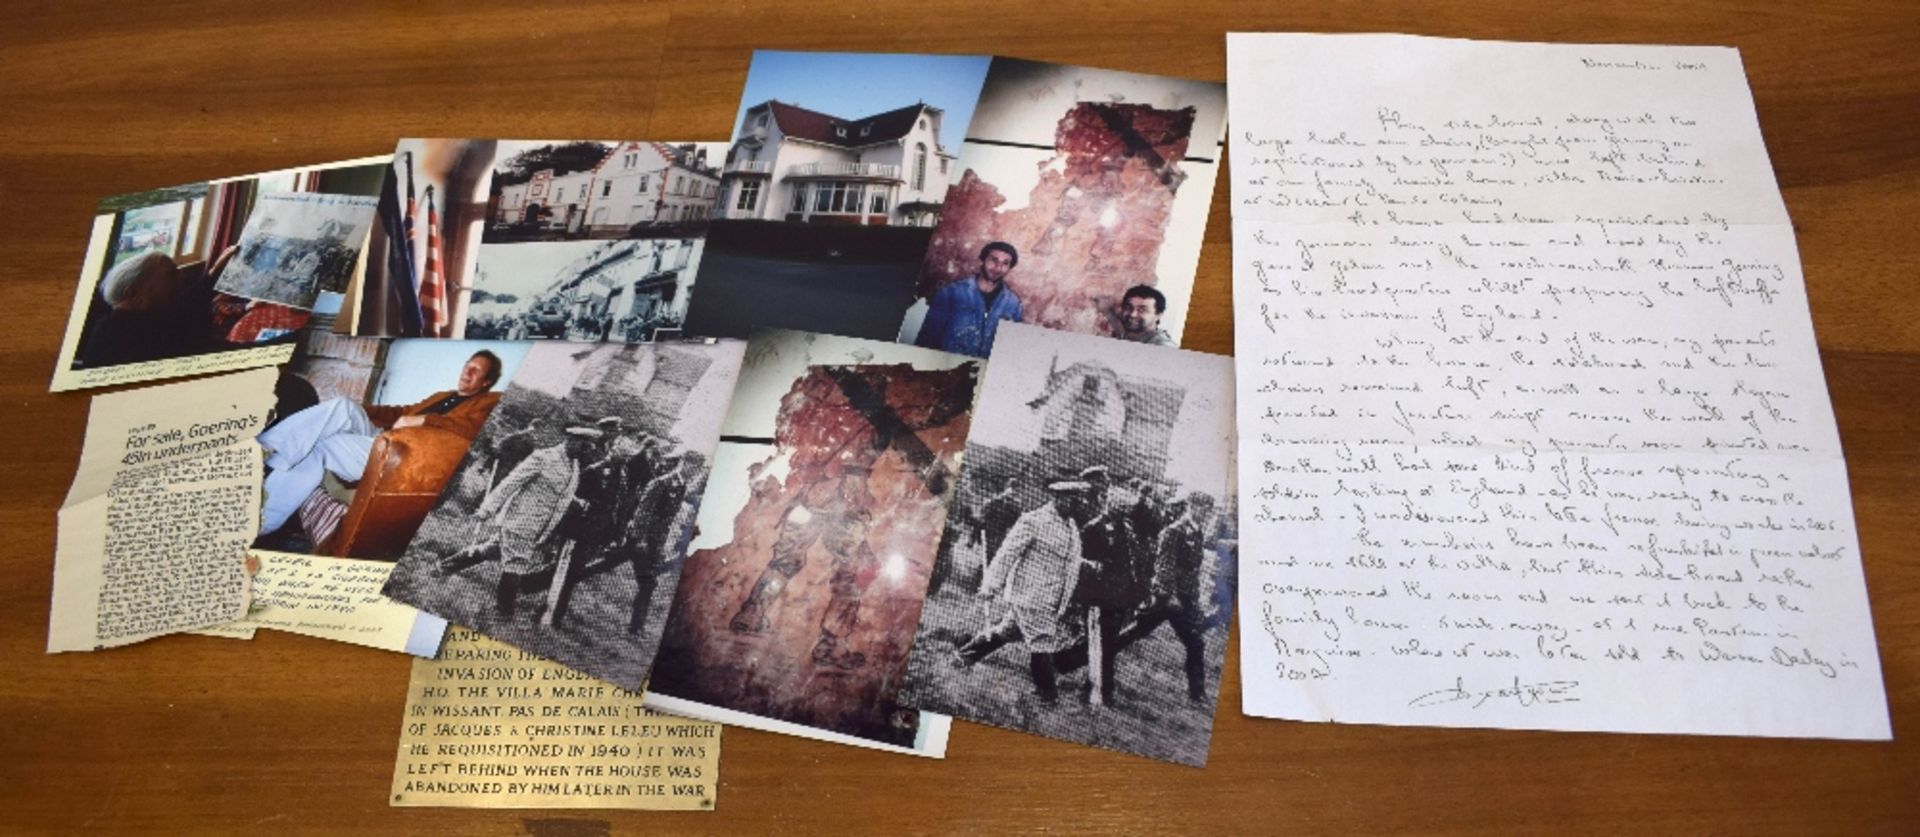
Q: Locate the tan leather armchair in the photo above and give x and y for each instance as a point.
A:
(406, 471)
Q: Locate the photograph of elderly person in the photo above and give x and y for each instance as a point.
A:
(147, 296)
(573, 555)
(366, 433)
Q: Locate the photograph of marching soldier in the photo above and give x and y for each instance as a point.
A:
(1083, 563)
(564, 530)
(816, 540)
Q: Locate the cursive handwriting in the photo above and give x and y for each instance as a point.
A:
(1521, 694)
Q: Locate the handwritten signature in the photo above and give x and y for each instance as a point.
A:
(1527, 694)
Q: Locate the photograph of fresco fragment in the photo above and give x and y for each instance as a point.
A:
(366, 432)
(563, 529)
(1086, 575)
(830, 189)
(1099, 181)
(816, 540)
(149, 291)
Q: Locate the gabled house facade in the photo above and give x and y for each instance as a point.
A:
(788, 163)
(635, 184)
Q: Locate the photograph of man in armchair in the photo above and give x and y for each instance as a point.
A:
(350, 477)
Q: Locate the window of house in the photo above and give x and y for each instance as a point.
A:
(606, 188)
(799, 203)
(679, 185)
(643, 183)
(943, 165)
(749, 195)
(879, 202)
(923, 123)
(149, 229)
(919, 166)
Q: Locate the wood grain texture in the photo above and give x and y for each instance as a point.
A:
(287, 734)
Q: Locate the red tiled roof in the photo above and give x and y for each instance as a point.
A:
(796, 121)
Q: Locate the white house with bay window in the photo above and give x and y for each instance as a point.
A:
(788, 163)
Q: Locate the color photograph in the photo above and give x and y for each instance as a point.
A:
(152, 300)
(572, 189)
(365, 435)
(425, 240)
(830, 188)
(1079, 202)
(817, 539)
(1086, 575)
(564, 528)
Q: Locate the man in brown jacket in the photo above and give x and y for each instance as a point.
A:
(336, 435)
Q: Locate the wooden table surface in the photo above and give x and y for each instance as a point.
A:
(190, 734)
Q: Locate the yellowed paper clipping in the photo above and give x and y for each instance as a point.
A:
(153, 535)
(491, 726)
(337, 599)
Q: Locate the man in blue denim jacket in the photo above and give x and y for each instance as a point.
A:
(964, 314)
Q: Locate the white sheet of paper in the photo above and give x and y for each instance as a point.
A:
(1534, 430)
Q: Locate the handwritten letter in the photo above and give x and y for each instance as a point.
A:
(1534, 430)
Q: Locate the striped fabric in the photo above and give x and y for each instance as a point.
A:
(320, 515)
(433, 287)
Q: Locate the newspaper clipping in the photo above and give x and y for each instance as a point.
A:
(153, 534)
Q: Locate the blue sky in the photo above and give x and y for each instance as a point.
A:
(855, 84)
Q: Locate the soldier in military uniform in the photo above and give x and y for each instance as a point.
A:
(1178, 595)
(1112, 579)
(1033, 579)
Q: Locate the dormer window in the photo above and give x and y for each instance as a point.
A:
(866, 130)
(840, 131)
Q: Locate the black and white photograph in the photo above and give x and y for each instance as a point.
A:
(297, 245)
(623, 290)
(565, 529)
(1085, 579)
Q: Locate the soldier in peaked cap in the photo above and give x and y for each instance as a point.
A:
(1032, 577)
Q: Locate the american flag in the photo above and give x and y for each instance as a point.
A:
(433, 287)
